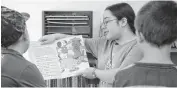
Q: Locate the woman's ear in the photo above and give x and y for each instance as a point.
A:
(123, 22)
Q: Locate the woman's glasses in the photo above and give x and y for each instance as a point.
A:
(105, 23)
(103, 27)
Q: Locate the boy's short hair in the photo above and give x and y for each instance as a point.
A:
(157, 21)
(12, 26)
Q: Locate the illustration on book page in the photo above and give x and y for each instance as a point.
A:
(63, 58)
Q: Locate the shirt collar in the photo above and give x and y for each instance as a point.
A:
(10, 51)
(134, 38)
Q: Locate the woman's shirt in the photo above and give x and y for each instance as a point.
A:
(110, 54)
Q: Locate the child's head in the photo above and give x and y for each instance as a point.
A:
(13, 29)
(156, 23)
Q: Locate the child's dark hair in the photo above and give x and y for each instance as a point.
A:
(12, 26)
(121, 10)
(157, 21)
(6, 39)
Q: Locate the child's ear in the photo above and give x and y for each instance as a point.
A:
(25, 36)
(22, 38)
(140, 36)
(123, 22)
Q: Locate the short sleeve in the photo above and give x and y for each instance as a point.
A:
(31, 77)
(92, 46)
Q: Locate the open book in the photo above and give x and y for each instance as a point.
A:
(61, 59)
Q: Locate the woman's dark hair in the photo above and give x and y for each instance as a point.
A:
(121, 10)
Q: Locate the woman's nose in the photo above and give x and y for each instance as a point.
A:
(102, 29)
(103, 26)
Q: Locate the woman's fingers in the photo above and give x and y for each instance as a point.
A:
(45, 42)
(47, 39)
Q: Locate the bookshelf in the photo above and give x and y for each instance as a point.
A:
(68, 22)
(72, 23)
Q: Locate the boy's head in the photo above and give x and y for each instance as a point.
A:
(13, 28)
(156, 23)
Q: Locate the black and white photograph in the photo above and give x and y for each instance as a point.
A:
(89, 43)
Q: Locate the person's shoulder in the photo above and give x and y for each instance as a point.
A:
(134, 51)
(37, 79)
(133, 45)
(11, 61)
(15, 58)
(25, 62)
(13, 68)
(125, 70)
(136, 47)
(30, 66)
(123, 75)
(16, 62)
(8, 56)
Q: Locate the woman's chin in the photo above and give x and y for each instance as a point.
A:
(108, 37)
(111, 38)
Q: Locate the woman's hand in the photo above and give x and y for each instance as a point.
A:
(47, 39)
(88, 73)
